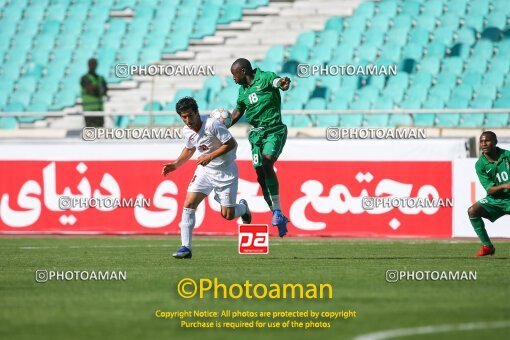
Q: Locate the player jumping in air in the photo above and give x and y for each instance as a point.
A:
(216, 170)
(492, 169)
(259, 98)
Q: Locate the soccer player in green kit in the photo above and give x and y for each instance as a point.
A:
(493, 169)
(259, 98)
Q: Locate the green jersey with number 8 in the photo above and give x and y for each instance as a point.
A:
(261, 101)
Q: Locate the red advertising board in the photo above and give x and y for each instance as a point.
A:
(321, 198)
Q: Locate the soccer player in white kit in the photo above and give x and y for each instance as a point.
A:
(216, 170)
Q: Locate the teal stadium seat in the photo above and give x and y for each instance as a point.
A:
(335, 23)
(400, 120)
(8, 123)
(476, 64)
(488, 90)
(397, 36)
(380, 22)
(433, 7)
(411, 103)
(356, 119)
(320, 119)
(379, 120)
(443, 34)
(419, 36)
(429, 119)
(481, 7)
(441, 91)
(355, 23)
(411, 7)
(498, 119)
(464, 91)
(328, 38)
(391, 52)
(453, 65)
(34, 107)
(474, 20)
(495, 77)
(430, 65)
(306, 39)
(275, 53)
(421, 78)
(345, 92)
(436, 49)
(351, 36)
(368, 93)
(402, 21)
(299, 53)
(171, 119)
(476, 119)
(387, 8)
(457, 6)
(465, 36)
(365, 10)
(373, 37)
(471, 78)
(447, 78)
(426, 22)
(288, 119)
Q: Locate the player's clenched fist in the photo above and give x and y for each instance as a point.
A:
(284, 83)
(169, 167)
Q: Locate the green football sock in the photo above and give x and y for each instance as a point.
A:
(272, 186)
(479, 227)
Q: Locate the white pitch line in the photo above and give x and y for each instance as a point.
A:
(38, 247)
(400, 332)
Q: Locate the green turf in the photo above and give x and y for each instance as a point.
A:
(355, 268)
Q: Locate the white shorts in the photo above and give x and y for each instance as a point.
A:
(223, 182)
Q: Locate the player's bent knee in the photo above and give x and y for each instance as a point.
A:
(190, 205)
(473, 211)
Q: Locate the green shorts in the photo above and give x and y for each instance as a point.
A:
(495, 207)
(267, 142)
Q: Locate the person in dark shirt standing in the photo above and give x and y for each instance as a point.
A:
(93, 89)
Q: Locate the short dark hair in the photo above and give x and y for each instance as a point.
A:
(185, 104)
(491, 134)
(243, 63)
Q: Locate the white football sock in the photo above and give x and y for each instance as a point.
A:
(187, 224)
(276, 202)
(240, 210)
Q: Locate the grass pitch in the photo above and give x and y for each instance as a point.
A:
(355, 268)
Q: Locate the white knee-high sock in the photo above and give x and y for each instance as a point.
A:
(240, 210)
(187, 224)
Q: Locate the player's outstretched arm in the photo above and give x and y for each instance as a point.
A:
(185, 155)
(236, 115)
(226, 147)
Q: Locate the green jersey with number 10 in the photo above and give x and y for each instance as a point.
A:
(261, 101)
(495, 173)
